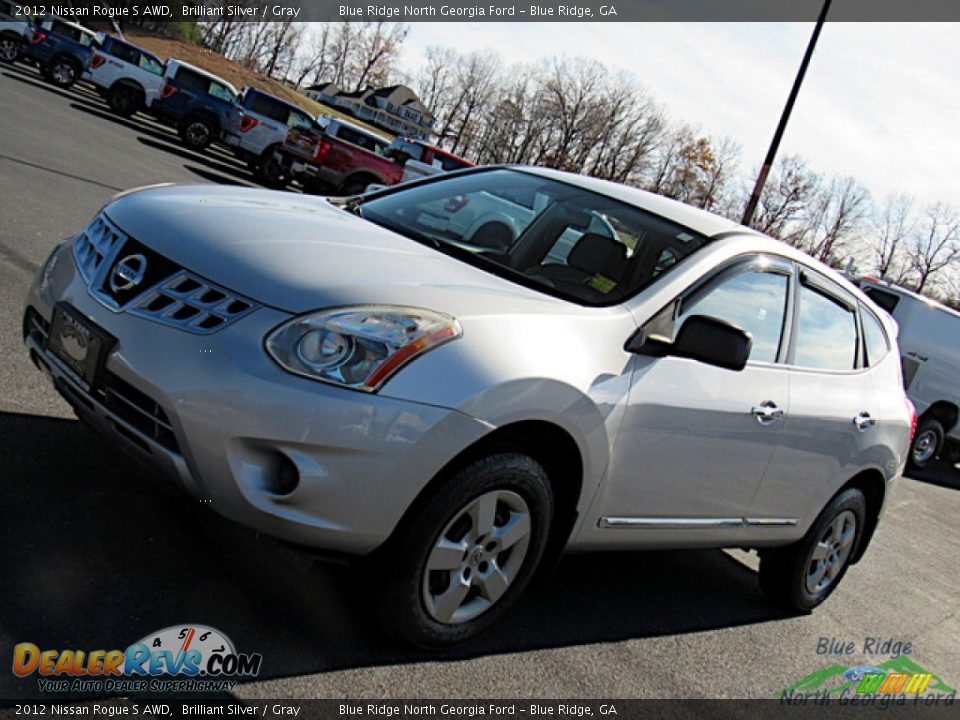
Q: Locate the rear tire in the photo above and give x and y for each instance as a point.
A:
(124, 100)
(11, 49)
(270, 172)
(197, 133)
(802, 575)
(462, 559)
(62, 72)
(927, 444)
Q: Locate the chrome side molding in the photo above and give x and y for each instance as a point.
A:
(692, 523)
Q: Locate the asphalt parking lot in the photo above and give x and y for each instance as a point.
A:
(94, 553)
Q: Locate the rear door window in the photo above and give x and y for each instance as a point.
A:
(826, 332)
(269, 108)
(123, 52)
(67, 31)
(363, 140)
(192, 80)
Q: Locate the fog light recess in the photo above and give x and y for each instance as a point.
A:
(287, 476)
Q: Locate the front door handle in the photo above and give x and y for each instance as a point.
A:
(864, 422)
(766, 412)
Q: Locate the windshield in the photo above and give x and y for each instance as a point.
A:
(553, 236)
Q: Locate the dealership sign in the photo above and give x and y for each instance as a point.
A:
(185, 652)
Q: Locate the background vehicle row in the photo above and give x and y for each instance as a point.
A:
(278, 140)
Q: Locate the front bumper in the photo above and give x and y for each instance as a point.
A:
(215, 414)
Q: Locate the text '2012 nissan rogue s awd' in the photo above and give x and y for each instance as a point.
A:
(460, 378)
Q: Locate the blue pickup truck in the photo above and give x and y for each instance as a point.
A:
(62, 50)
(197, 103)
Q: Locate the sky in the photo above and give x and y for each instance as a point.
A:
(881, 101)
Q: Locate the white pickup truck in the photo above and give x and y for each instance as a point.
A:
(129, 77)
(257, 126)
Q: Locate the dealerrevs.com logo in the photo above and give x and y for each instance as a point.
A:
(182, 658)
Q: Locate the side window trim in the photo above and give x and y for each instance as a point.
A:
(865, 312)
(809, 278)
(753, 262)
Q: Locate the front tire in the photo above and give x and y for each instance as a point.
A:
(465, 556)
(804, 574)
(927, 444)
(197, 133)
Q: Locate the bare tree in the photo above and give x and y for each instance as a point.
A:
(835, 217)
(374, 52)
(936, 246)
(893, 228)
(314, 61)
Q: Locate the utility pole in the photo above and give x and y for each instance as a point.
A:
(784, 117)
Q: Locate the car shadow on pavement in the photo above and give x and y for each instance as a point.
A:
(218, 163)
(95, 553)
(75, 92)
(942, 473)
(104, 114)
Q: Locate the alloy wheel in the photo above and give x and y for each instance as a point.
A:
(830, 555)
(198, 134)
(63, 73)
(9, 50)
(476, 557)
(924, 447)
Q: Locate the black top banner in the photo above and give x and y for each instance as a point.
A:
(504, 10)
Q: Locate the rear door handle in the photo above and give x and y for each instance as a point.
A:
(864, 422)
(766, 412)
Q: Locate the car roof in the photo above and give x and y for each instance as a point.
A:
(210, 76)
(285, 103)
(904, 292)
(358, 128)
(120, 41)
(70, 23)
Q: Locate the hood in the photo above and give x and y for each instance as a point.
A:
(300, 253)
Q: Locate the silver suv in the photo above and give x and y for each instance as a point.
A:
(371, 377)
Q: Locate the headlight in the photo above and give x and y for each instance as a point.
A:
(358, 347)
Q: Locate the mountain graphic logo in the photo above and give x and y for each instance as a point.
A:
(899, 675)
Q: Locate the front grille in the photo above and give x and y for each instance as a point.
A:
(122, 399)
(164, 291)
(188, 302)
(139, 410)
(34, 325)
(98, 241)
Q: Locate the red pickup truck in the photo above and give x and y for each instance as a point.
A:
(336, 156)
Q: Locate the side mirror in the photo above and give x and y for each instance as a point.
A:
(702, 338)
